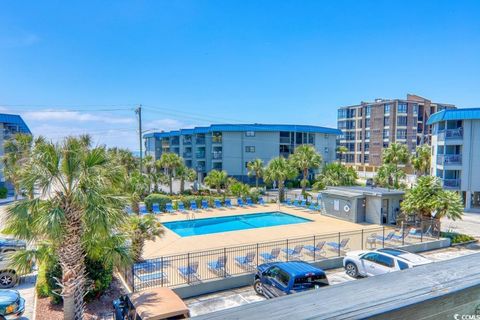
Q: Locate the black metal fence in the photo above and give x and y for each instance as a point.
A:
(194, 267)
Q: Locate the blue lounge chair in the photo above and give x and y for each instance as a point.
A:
(387, 238)
(313, 207)
(205, 205)
(193, 205)
(156, 208)
(289, 202)
(338, 246)
(189, 271)
(240, 202)
(295, 203)
(318, 249)
(149, 266)
(169, 208)
(217, 203)
(270, 256)
(218, 266)
(142, 209)
(402, 236)
(261, 201)
(228, 203)
(303, 204)
(149, 277)
(249, 202)
(181, 207)
(295, 252)
(245, 261)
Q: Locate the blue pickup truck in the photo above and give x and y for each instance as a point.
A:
(277, 279)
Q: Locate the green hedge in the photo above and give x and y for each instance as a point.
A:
(3, 192)
(456, 237)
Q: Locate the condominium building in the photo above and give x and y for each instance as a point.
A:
(456, 152)
(231, 146)
(10, 124)
(369, 127)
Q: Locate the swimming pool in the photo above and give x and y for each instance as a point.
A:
(187, 228)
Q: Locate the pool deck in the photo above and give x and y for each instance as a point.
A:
(170, 243)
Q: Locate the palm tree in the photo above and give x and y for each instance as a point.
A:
(185, 173)
(216, 179)
(421, 162)
(17, 152)
(170, 162)
(305, 158)
(280, 169)
(336, 174)
(341, 150)
(78, 214)
(255, 167)
(396, 154)
(135, 186)
(141, 229)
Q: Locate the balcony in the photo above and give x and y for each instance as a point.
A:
(449, 159)
(217, 139)
(200, 155)
(450, 134)
(175, 142)
(200, 141)
(187, 141)
(187, 154)
(451, 183)
(285, 140)
(200, 168)
(217, 155)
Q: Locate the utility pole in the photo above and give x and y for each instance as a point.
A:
(138, 111)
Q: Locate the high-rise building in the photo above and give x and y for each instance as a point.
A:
(369, 127)
(456, 152)
(231, 146)
(10, 124)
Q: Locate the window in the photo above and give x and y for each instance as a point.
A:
(250, 134)
(385, 261)
(319, 280)
(246, 164)
(250, 149)
(402, 265)
(367, 134)
(359, 124)
(386, 108)
(401, 120)
(359, 135)
(367, 123)
(386, 133)
(370, 257)
(325, 150)
(385, 144)
(368, 109)
(415, 108)
(386, 121)
(359, 158)
(366, 146)
(402, 107)
(359, 146)
(366, 158)
(282, 277)
(401, 134)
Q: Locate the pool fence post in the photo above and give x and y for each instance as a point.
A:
(314, 248)
(383, 237)
(362, 239)
(161, 269)
(257, 255)
(287, 249)
(339, 248)
(188, 268)
(132, 276)
(225, 262)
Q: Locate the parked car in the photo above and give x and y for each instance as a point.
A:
(380, 261)
(11, 245)
(153, 304)
(12, 305)
(277, 279)
(8, 274)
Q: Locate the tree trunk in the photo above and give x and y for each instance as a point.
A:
(171, 184)
(138, 243)
(280, 191)
(256, 181)
(182, 185)
(16, 191)
(304, 184)
(72, 260)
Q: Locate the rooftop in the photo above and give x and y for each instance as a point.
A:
(14, 119)
(258, 127)
(455, 114)
(367, 191)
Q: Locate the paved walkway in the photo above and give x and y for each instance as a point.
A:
(27, 291)
(470, 224)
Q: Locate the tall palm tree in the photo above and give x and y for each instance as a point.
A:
(336, 174)
(216, 179)
(341, 150)
(77, 215)
(17, 152)
(305, 158)
(422, 161)
(141, 229)
(170, 162)
(396, 154)
(255, 167)
(185, 173)
(280, 169)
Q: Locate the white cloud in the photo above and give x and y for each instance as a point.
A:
(54, 115)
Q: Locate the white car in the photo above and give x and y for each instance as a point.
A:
(380, 261)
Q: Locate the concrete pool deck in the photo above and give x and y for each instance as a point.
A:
(171, 243)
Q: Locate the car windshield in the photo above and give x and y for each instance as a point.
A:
(318, 280)
(393, 252)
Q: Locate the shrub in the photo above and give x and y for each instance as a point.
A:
(457, 237)
(100, 275)
(3, 192)
(161, 199)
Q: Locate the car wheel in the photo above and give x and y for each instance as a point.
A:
(351, 269)
(7, 279)
(257, 286)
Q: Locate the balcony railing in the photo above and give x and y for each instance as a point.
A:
(200, 155)
(449, 159)
(217, 154)
(285, 140)
(200, 140)
(175, 142)
(450, 134)
(187, 154)
(187, 141)
(451, 183)
(201, 168)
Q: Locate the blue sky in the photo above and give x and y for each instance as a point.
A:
(200, 62)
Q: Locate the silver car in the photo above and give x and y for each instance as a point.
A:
(380, 261)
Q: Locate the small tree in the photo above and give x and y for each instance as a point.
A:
(17, 152)
(336, 174)
(280, 169)
(255, 167)
(185, 174)
(170, 162)
(216, 179)
(390, 174)
(305, 158)
(422, 160)
(341, 150)
(239, 189)
(141, 229)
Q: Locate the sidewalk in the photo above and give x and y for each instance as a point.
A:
(470, 224)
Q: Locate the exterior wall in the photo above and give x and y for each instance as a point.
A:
(325, 144)
(373, 209)
(352, 215)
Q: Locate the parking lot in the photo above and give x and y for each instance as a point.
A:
(240, 296)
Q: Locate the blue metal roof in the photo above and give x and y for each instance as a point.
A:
(247, 127)
(14, 119)
(454, 114)
(298, 268)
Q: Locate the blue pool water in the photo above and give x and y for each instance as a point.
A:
(187, 228)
